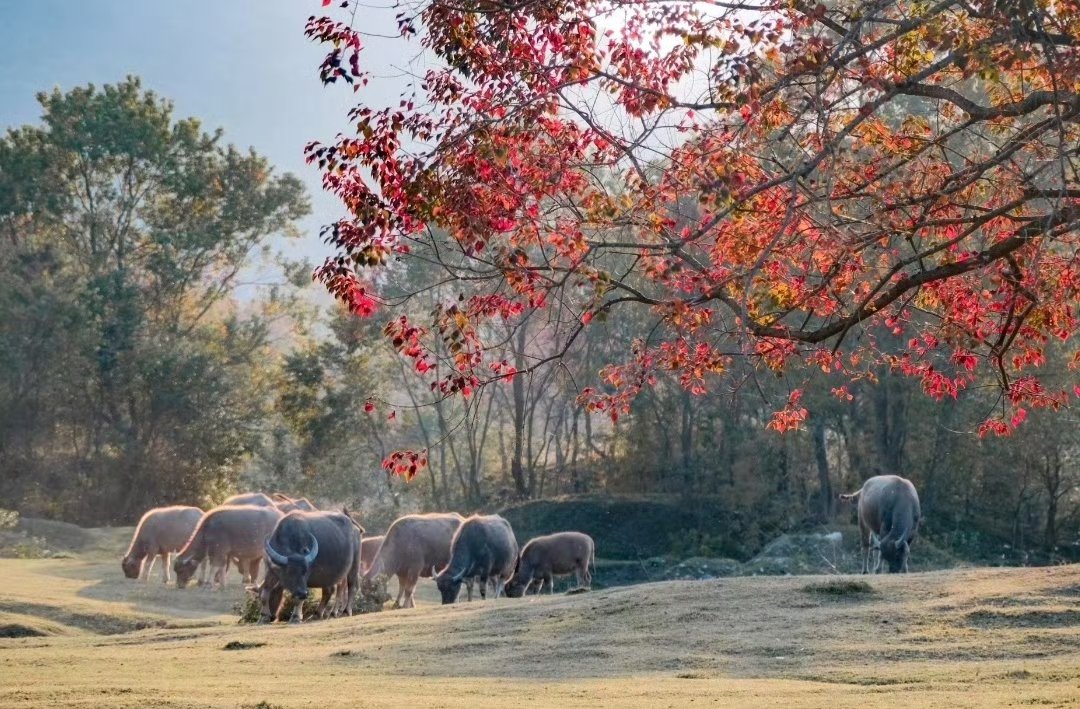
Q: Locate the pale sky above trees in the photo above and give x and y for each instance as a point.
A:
(241, 65)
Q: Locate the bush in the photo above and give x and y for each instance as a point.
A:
(840, 588)
(642, 527)
(8, 519)
(370, 598)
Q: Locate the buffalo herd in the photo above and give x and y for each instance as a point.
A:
(301, 547)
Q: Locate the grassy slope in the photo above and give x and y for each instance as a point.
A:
(972, 638)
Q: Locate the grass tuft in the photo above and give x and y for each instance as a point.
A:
(370, 598)
(18, 630)
(241, 645)
(840, 588)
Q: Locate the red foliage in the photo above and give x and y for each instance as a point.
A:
(790, 180)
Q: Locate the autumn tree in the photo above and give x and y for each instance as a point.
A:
(130, 373)
(873, 184)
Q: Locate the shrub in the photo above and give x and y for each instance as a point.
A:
(370, 598)
(840, 587)
(8, 519)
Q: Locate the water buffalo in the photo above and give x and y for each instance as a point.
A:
(369, 549)
(248, 498)
(889, 517)
(287, 504)
(227, 532)
(161, 531)
(483, 547)
(553, 555)
(311, 550)
(414, 546)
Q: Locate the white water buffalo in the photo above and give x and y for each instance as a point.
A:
(414, 546)
(227, 532)
(553, 555)
(369, 549)
(484, 547)
(311, 550)
(161, 531)
(889, 517)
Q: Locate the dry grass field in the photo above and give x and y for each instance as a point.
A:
(966, 638)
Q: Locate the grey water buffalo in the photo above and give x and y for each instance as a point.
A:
(311, 550)
(413, 547)
(553, 555)
(889, 517)
(484, 547)
(288, 504)
(248, 498)
(161, 532)
(227, 532)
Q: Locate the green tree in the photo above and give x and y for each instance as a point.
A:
(128, 371)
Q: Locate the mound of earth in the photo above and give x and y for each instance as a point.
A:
(58, 535)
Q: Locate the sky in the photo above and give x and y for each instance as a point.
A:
(241, 65)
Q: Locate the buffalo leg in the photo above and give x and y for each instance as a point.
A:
(469, 586)
(410, 588)
(277, 601)
(400, 590)
(342, 595)
(219, 565)
(166, 557)
(148, 566)
(324, 601)
(352, 586)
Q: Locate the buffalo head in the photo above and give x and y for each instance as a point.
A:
(132, 566)
(449, 584)
(294, 569)
(895, 553)
(185, 568)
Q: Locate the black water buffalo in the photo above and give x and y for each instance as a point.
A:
(484, 546)
(311, 550)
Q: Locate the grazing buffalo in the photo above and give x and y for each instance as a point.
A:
(161, 531)
(311, 550)
(483, 547)
(889, 517)
(414, 546)
(227, 532)
(553, 555)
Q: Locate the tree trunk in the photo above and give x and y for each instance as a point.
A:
(517, 468)
(825, 509)
(686, 440)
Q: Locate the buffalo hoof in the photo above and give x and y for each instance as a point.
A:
(264, 619)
